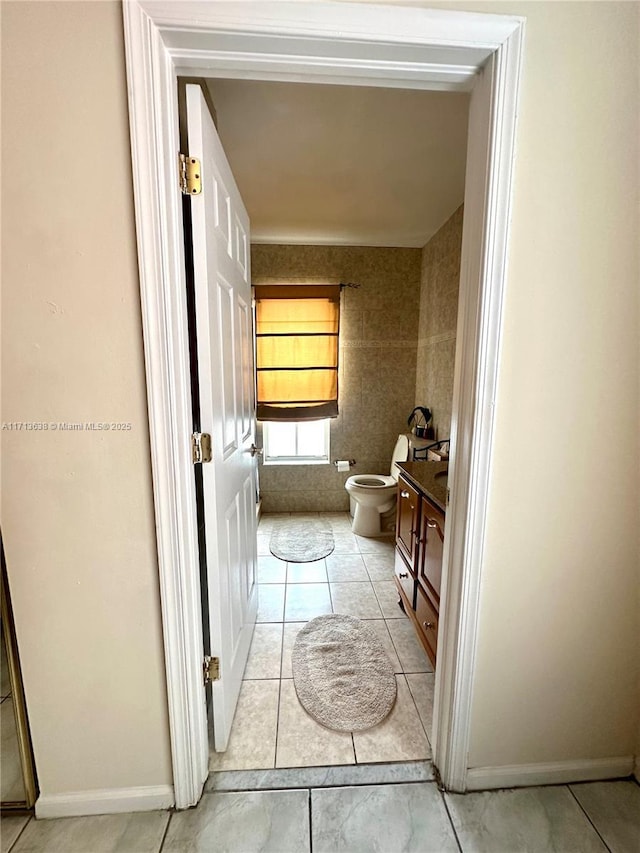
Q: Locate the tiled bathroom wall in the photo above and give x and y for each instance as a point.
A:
(439, 288)
(377, 377)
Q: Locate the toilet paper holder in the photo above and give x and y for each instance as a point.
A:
(351, 462)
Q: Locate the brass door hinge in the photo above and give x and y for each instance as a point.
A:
(211, 669)
(190, 175)
(200, 447)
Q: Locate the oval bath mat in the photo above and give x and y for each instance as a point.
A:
(342, 674)
(302, 541)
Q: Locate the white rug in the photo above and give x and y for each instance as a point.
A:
(302, 541)
(341, 673)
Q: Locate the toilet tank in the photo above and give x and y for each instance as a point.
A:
(400, 454)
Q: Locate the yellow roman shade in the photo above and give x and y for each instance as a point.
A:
(297, 328)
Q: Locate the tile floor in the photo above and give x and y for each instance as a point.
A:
(11, 781)
(396, 818)
(353, 806)
(378, 793)
(271, 729)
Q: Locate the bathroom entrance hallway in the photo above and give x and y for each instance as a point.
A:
(271, 729)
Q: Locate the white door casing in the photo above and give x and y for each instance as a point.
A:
(221, 261)
(341, 43)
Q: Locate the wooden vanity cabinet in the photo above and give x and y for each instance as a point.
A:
(405, 581)
(418, 561)
(426, 615)
(407, 521)
(430, 544)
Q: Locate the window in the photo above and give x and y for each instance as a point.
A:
(297, 328)
(291, 442)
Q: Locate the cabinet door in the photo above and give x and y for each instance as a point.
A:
(430, 550)
(407, 520)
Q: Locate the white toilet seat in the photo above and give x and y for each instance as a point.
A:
(372, 495)
(371, 481)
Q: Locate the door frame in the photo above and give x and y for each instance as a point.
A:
(349, 44)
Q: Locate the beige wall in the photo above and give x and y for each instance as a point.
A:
(557, 657)
(77, 512)
(378, 338)
(557, 661)
(439, 288)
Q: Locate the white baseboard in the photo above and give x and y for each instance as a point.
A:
(105, 801)
(550, 773)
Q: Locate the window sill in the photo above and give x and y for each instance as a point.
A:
(269, 462)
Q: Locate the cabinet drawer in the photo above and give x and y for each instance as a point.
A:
(405, 578)
(427, 617)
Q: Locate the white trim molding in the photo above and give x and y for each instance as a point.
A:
(488, 189)
(549, 773)
(339, 43)
(153, 120)
(105, 801)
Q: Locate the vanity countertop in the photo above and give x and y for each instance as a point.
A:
(430, 478)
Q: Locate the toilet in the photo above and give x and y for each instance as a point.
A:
(373, 495)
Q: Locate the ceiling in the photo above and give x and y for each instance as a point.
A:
(343, 165)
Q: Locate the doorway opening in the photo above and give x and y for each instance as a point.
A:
(344, 43)
(271, 728)
(326, 147)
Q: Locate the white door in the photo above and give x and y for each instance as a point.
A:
(220, 228)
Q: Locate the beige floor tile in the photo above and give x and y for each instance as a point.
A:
(306, 601)
(340, 522)
(252, 744)
(304, 743)
(384, 545)
(355, 599)
(314, 572)
(345, 543)
(271, 570)
(382, 818)
(614, 808)
(11, 782)
(412, 656)
(116, 833)
(387, 595)
(527, 819)
(341, 526)
(10, 828)
(242, 822)
(269, 520)
(265, 654)
(421, 685)
(270, 602)
(400, 737)
(346, 567)
(290, 633)
(263, 544)
(380, 566)
(382, 632)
